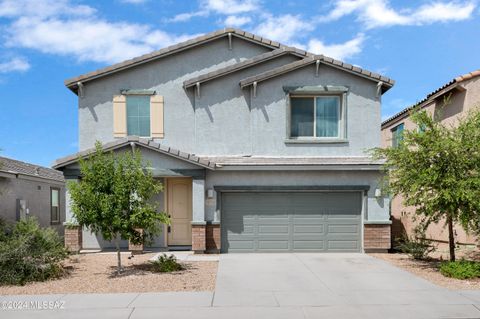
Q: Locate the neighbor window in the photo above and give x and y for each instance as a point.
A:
(397, 135)
(54, 205)
(138, 115)
(315, 116)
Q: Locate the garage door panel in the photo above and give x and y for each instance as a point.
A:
(273, 245)
(273, 229)
(309, 245)
(342, 229)
(310, 229)
(247, 245)
(291, 222)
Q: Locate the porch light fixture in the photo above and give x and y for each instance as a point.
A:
(378, 192)
(209, 193)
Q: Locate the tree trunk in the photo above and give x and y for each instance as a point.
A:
(451, 239)
(119, 259)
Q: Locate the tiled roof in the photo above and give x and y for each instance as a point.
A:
(213, 162)
(245, 64)
(12, 166)
(432, 95)
(62, 162)
(387, 82)
(72, 83)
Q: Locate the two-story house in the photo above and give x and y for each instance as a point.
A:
(448, 103)
(260, 146)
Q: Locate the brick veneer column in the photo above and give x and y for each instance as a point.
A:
(213, 238)
(377, 237)
(73, 238)
(199, 238)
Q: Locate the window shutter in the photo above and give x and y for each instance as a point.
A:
(119, 116)
(156, 116)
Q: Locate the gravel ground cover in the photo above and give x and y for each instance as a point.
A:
(428, 269)
(96, 273)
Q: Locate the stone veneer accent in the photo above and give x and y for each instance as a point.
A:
(213, 238)
(73, 238)
(199, 238)
(377, 237)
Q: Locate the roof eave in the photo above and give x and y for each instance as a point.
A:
(149, 144)
(72, 82)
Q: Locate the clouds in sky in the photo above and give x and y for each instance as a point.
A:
(62, 28)
(17, 64)
(65, 28)
(340, 51)
(379, 13)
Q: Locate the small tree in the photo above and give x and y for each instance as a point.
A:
(112, 198)
(437, 169)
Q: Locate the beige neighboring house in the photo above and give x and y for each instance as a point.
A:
(462, 94)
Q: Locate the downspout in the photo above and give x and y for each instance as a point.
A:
(379, 89)
(80, 89)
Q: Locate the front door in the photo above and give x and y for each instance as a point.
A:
(179, 207)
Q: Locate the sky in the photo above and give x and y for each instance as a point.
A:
(420, 44)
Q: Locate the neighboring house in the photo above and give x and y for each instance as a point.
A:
(260, 146)
(448, 103)
(32, 190)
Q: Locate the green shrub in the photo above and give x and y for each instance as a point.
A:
(166, 263)
(416, 246)
(30, 253)
(462, 269)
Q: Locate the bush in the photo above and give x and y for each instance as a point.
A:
(463, 269)
(416, 246)
(166, 263)
(30, 253)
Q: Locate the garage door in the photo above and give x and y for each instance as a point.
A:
(283, 222)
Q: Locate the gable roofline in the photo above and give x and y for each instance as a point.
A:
(135, 140)
(447, 87)
(16, 167)
(72, 83)
(387, 83)
(245, 64)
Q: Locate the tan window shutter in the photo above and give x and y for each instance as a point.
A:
(156, 116)
(119, 116)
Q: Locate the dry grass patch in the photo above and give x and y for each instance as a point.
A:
(96, 273)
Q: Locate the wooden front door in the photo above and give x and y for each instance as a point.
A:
(179, 207)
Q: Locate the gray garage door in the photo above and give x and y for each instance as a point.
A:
(282, 222)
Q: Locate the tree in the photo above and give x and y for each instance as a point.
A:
(112, 198)
(437, 170)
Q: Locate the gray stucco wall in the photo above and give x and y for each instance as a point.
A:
(225, 119)
(166, 76)
(37, 194)
(233, 121)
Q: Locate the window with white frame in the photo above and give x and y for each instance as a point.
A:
(316, 117)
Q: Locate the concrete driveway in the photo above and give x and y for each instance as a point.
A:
(279, 286)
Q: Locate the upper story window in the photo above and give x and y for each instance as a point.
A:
(397, 135)
(138, 115)
(54, 205)
(316, 117)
